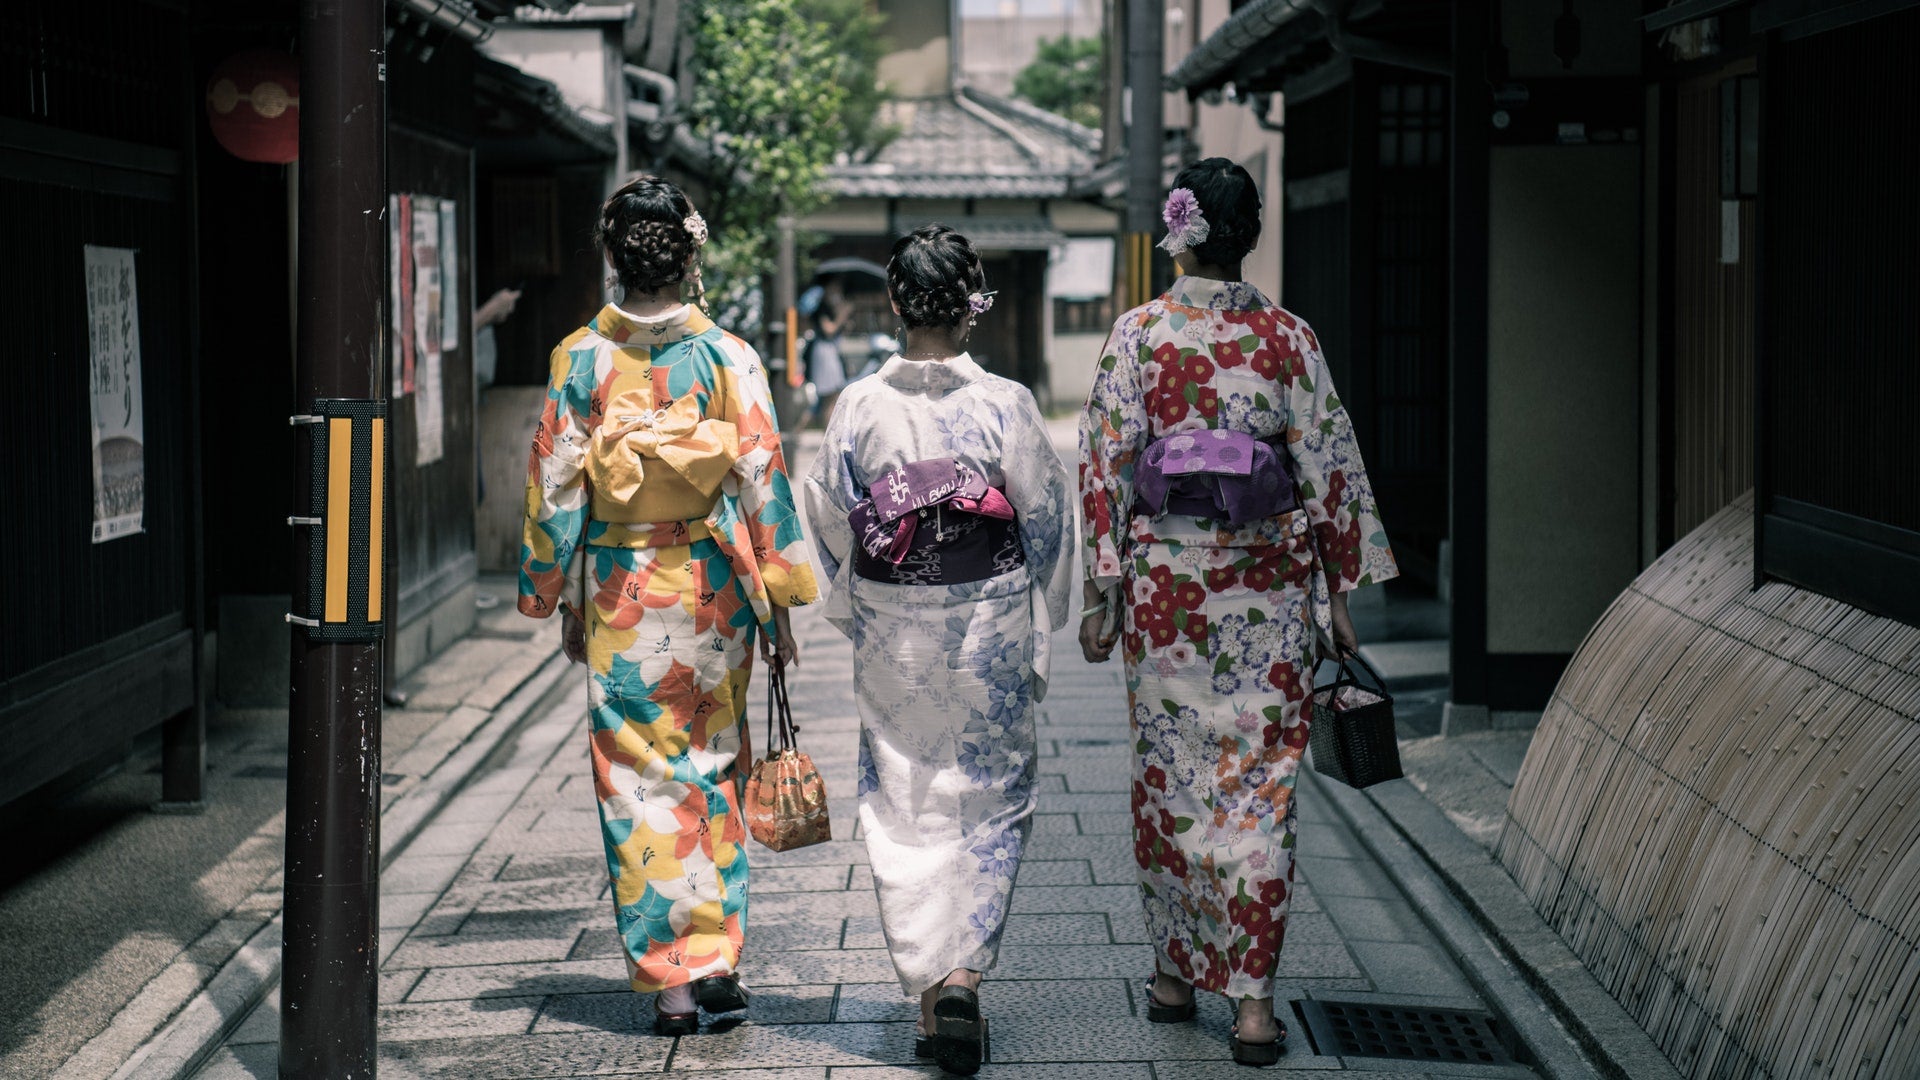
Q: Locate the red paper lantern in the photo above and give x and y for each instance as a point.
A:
(253, 105)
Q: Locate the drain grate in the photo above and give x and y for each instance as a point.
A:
(1357, 1029)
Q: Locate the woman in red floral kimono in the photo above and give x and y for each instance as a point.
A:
(1227, 516)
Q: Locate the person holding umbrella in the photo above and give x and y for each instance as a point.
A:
(827, 310)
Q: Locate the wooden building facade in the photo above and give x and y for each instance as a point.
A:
(1682, 507)
(1539, 247)
(97, 136)
(151, 337)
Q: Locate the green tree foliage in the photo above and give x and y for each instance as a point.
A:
(1067, 77)
(784, 87)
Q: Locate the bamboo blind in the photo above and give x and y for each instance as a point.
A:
(1719, 814)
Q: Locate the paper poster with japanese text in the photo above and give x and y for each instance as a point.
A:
(119, 429)
(397, 316)
(450, 297)
(403, 373)
(429, 407)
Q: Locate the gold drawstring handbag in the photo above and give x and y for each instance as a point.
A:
(786, 799)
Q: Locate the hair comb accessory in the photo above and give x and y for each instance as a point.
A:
(981, 302)
(1186, 226)
(696, 227)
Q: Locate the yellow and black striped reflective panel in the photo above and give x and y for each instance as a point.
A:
(1139, 269)
(348, 545)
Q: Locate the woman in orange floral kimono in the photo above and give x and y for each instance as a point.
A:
(1224, 591)
(659, 519)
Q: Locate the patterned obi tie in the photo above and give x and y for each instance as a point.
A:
(651, 464)
(934, 522)
(1227, 476)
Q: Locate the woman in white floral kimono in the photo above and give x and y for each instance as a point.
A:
(942, 514)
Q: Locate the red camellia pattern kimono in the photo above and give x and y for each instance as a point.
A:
(1221, 625)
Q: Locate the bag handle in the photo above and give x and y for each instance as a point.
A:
(779, 710)
(1346, 676)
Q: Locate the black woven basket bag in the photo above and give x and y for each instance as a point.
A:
(1352, 735)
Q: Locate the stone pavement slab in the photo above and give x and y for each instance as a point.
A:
(98, 975)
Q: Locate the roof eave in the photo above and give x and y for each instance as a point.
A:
(1213, 60)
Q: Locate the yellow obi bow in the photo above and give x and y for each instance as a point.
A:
(696, 454)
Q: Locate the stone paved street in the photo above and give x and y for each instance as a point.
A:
(500, 959)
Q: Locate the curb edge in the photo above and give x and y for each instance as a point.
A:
(198, 1029)
(1556, 1051)
(1613, 1041)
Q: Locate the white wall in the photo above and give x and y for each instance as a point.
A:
(572, 58)
(995, 47)
(1563, 398)
(918, 33)
(1072, 359)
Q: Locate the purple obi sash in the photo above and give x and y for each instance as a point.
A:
(934, 522)
(1228, 476)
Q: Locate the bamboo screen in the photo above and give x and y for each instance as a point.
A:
(1719, 814)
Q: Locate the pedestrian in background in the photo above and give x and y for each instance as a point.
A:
(944, 517)
(826, 367)
(659, 519)
(1227, 516)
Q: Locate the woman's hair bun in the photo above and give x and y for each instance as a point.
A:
(932, 273)
(1230, 201)
(643, 230)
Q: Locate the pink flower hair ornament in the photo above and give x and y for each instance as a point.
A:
(696, 227)
(1186, 226)
(981, 302)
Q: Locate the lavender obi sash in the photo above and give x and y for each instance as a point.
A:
(934, 522)
(1228, 476)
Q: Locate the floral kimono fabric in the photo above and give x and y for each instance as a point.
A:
(1217, 681)
(945, 675)
(1221, 617)
(668, 525)
(665, 721)
(946, 764)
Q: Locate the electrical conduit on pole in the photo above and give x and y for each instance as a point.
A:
(330, 949)
(1146, 138)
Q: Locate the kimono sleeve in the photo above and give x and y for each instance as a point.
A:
(830, 495)
(1341, 512)
(767, 507)
(550, 550)
(1040, 490)
(1113, 431)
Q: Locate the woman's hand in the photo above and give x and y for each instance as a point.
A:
(573, 636)
(1345, 641)
(1096, 648)
(785, 651)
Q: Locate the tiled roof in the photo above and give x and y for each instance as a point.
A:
(970, 145)
(996, 233)
(497, 81)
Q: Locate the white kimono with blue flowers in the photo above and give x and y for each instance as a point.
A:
(946, 675)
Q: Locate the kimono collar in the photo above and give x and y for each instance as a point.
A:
(675, 324)
(1199, 292)
(931, 375)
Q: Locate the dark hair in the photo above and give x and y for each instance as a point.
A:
(932, 272)
(642, 229)
(1231, 204)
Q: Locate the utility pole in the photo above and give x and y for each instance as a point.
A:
(1145, 142)
(329, 944)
